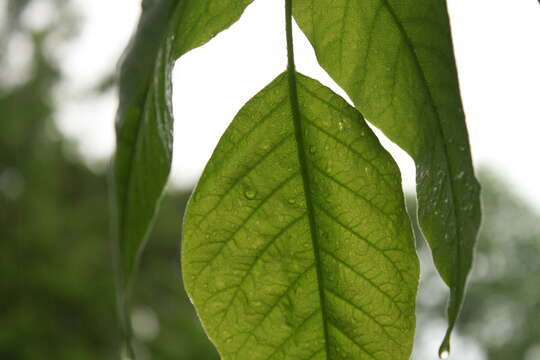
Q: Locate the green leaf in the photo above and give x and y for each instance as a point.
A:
(143, 131)
(167, 30)
(395, 60)
(296, 241)
(197, 21)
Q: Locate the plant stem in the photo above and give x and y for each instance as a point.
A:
(288, 30)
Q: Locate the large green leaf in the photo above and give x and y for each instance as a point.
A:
(395, 60)
(167, 30)
(296, 241)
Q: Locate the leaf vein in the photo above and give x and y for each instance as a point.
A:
(244, 222)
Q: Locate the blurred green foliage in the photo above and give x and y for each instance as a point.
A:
(503, 309)
(57, 298)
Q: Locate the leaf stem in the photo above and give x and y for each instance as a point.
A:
(290, 47)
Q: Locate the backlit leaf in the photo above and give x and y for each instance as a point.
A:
(197, 21)
(395, 60)
(296, 241)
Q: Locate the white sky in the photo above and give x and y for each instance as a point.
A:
(497, 48)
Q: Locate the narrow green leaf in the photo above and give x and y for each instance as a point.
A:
(143, 131)
(395, 60)
(167, 30)
(296, 241)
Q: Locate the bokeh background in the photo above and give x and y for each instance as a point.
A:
(57, 103)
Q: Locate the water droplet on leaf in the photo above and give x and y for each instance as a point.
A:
(250, 194)
(444, 350)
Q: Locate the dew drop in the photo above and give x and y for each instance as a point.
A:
(250, 194)
(444, 350)
(312, 149)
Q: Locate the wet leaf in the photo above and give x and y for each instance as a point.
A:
(395, 60)
(296, 241)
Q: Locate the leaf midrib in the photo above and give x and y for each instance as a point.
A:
(304, 169)
(305, 175)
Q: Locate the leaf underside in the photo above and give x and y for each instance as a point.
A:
(144, 122)
(296, 242)
(395, 60)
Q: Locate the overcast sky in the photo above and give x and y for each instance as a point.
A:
(497, 49)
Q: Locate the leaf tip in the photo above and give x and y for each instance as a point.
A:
(444, 350)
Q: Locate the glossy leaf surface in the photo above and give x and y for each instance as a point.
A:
(296, 241)
(143, 131)
(395, 60)
(167, 30)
